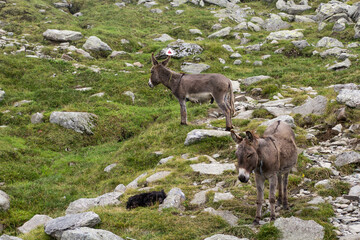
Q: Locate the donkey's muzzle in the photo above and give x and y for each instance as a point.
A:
(243, 175)
(150, 84)
(243, 179)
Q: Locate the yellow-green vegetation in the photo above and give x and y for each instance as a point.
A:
(45, 167)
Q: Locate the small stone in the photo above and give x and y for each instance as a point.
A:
(111, 166)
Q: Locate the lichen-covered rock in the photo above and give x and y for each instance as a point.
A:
(315, 105)
(85, 233)
(37, 118)
(285, 118)
(163, 38)
(275, 24)
(94, 43)
(349, 97)
(81, 122)
(197, 135)
(181, 49)
(213, 168)
(329, 42)
(224, 237)
(285, 35)
(290, 7)
(174, 199)
(62, 35)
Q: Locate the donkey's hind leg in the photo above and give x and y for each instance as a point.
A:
(285, 198)
(272, 199)
(226, 111)
(280, 190)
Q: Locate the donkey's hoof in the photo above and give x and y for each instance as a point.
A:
(286, 207)
(279, 203)
(183, 123)
(228, 129)
(272, 218)
(256, 222)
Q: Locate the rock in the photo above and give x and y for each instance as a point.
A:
(111, 166)
(339, 25)
(194, 68)
(197, 135)
(62, 35)
(34, 222)
(337, 128)
(200, 197)
(117, 53)
(224, 237)
(272, 24)
(84, 53)
(285, 118)
(120, 188)
(355, 191)
(62, 5)
(324, 183)
(254, 27)
(4, 201)
(37, 118)
(213, 168)
(301, 44)
(237, 62)
(223, 196)
(244, 115)
(174, 199)
(7, 237)
(350, 237)
(227, 48)
(251, 80)
(354, 228)
(134, 183)
(258, 63)
(315, 105)
(158, 176)
(84, 204)
(235, 55)
(85, 233)
(327, 11)
(22, 102)
(336, 52)
(297, 229)
(80, 122)
(2, 95)
(346, 158)
(285, 35)
(350, 86)
(195, 31)
(235, 86)
(221, 33)
(340, 66)
(316, 200)
(131, 95)
(181, 49)
(357, 30)
(57, 226)
(350, 98)
(94, 43)
(290, 7)
(226, 215)
(100, 94)
(255, 47)
(303, 19)
(163, 38)
(329, 42)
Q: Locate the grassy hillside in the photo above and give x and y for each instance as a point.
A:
(44, 167)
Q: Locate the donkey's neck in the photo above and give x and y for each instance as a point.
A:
(170, 79)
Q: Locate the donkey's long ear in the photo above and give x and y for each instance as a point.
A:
(164, 63)
(236, 137)
(154, 62)
(250, 136)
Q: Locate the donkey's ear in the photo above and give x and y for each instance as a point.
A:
(164, 63)
(154, 62)
(236, 137)
(250, 136)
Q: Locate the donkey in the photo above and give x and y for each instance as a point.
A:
(185, 86)
(270, 157)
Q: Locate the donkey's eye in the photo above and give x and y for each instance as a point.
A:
(249, 155)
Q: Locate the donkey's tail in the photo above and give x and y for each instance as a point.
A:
(232, 108)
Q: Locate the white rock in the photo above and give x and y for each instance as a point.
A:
(34, 222)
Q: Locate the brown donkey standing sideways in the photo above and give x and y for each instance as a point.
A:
(191, 85)
(271, 157)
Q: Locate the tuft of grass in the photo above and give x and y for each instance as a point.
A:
(268, 232)
(337, 189)
(262, 113)
(316, 173)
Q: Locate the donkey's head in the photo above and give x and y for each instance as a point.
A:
(157, 71)
(246, 154)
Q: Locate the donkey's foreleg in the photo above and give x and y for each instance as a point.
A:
(280, 190)
(272, 199)
(260, 197)
(285, 197)
(183, 111)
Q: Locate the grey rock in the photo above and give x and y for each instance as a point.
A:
(84, 53)
(7, 237)
(254, 27)
(158, 176)
(62, 5)
(22, 102)
(346, 158)
(195, 31)
(340, 65)
(349, 86)
(94, 43)
(244, 115)
(120, 4)
(355, 191)
(174, 199)
(2, 95)
(216, 26)
(337, 128)
(326, 11)
(120, 188)
(131, 95)
(290, 7)
(285, 118)
(335, 52)
(350, 237)
(37, 118)
(226, 215)
(163, 38)
(212, 168)
(235, 55)
(329, 42)
(237, 62)
(156, 10)
(349, 97)
(81, 122)
(194, 68)
(181, 49)
(301, 44)
(224, 237)
(285, 35)
(34, 222)
(57, 226)
(324, 183)
(117, 53)
(85, 233)
(134, 183)
(279, 111)
(357, 30)
(200, 197)
(303, 19)
(257, 20)
(223, 196)
(4, 201)
(251, 80)
(297, 229)
(177, 3)
(315, 105)
(254, 47)
(197, 135)
(316, 200)
(62, 35)
(111, 166)
(227, 48)
(339, 25)
(274, 24)
(165, 160)
(221, 33)
(78, 14)
(321, 26)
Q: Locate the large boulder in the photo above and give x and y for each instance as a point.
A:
(7, 237)
(94, 43)
(158, 176)
(346, 158)
(251, 80)
(329, 42)
(4, 201)
(285, 118)
(58, 226)
(350, 86)
(275, 24)
(221, 33)
(181, 49)
(291, 8)
(81, 122)
(294, 228)
(333, 10)
(230, 218)
(350, 98)
(34, 222)
(85, 233)
(174, 199)
(62, 35)
(340, 65)
(285, 35)
(315, 105)
(197, 135)
(194, 68)
(213, 168)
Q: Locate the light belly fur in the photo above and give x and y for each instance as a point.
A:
(199, 97)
